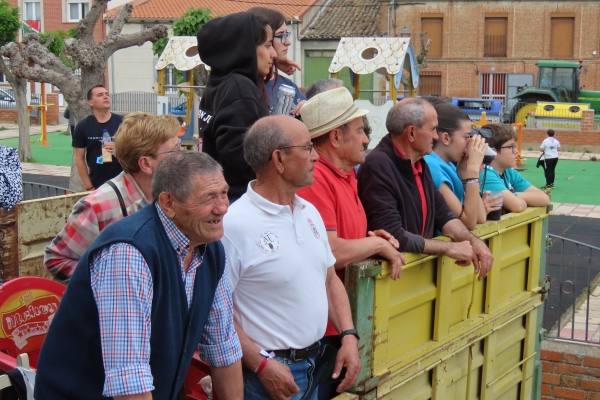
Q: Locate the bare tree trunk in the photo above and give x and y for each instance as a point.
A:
(20, 86)
(79, 109)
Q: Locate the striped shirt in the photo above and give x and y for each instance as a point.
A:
(124, 299)
(90, 215)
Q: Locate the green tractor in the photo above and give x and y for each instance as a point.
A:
(558, 81)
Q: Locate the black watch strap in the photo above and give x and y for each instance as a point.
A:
(352, 332)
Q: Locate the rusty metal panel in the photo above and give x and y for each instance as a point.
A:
(38, 221)
(8, 244)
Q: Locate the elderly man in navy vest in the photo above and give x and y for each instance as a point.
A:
(147, 294)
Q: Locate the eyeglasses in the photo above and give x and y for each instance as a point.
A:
(175, 149)
(308, 147)
(513, 147)
(283, 36)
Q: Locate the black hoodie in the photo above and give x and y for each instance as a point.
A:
(232, 100)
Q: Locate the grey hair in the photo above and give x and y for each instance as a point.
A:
(323, 85)
(176, 173)
(410, 111)
(261, 140)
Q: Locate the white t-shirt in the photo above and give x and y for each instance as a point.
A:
(550, 147)
(277, 261)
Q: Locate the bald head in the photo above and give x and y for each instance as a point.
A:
(266, 135)
(408, 111)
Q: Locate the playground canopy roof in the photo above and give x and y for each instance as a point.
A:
(365, 55)
(182, 53)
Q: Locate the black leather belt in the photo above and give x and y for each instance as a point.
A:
(299, 354)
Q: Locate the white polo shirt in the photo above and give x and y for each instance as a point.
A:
(277, 260)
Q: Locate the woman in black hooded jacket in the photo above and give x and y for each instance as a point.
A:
(239, 50)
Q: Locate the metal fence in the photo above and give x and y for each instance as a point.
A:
(127, 102)
(572, 307)
(34, 190)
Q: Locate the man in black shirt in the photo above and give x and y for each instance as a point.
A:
(94, 168)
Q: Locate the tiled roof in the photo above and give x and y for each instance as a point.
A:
(343, 18)
(168, 10)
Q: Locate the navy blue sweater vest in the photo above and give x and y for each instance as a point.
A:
(70, 365)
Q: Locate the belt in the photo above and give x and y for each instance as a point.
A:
(299, 354)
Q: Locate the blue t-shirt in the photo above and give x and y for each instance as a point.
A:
(511, 179)
(273, 90)
(445, 172)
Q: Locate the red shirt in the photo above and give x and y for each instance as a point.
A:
(417, 170)
(334, 193)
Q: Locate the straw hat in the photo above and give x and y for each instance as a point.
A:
(329, 110)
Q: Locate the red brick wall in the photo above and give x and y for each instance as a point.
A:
(564, 136)
(8, 115)
(570, 371)
(52, 113)
(528, 38)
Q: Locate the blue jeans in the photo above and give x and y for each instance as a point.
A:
(302, 371)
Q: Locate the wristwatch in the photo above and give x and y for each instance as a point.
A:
(352, 332)
(266, 354)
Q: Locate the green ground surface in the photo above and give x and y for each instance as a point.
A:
(58, 151)
(576, 181)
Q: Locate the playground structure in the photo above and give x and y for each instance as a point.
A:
(181, 52)
(392, 57)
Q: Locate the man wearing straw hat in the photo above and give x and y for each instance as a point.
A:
(337, 131)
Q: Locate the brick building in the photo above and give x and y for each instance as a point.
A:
(54, 15)
(489, 48)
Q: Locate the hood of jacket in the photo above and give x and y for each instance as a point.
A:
(228, 44)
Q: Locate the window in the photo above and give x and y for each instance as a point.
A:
(430, 83)
(493, 86)
(432, 27)
(32, 11)
(495, 37)
(2, 78)
(561, 37)
(76, 10)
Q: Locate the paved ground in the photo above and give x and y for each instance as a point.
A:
(573, 268)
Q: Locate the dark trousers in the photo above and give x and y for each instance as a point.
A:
(549, 167)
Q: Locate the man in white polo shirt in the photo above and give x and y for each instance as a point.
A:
(281, 269)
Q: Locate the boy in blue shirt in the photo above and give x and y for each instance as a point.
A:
(455, 164)
(502, 177)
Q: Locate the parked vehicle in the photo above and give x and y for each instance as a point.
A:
(7, 98)
(473, 107)
(558, 81)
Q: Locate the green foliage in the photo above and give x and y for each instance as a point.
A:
(187, 25)
(55, 42)
(9, 27)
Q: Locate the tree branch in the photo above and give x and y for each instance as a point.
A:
(85, 28)
(38, 69)
(36, 52)
(10, 77)
(112, 44)
(120, 20)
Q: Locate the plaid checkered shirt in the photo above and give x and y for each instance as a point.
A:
(89, 217)
(124, 300)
